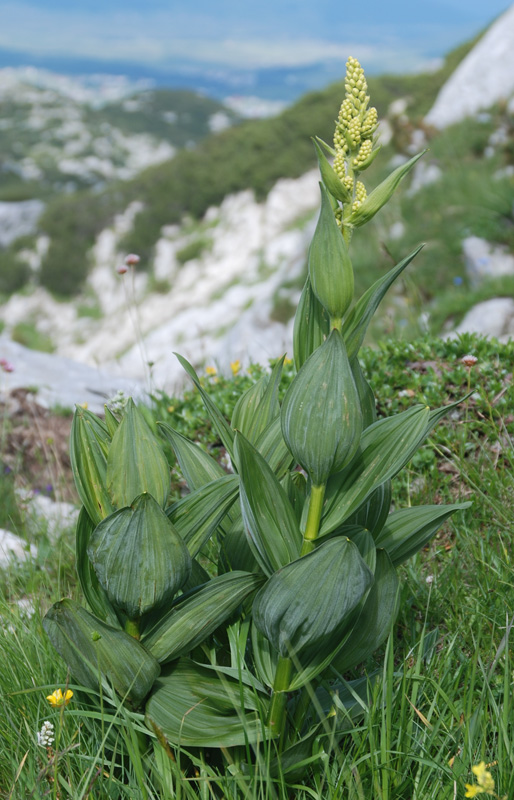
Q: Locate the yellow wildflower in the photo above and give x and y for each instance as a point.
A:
(210, 370)
(235, 366)
(57, 698)
(485, 781)
(472, 791)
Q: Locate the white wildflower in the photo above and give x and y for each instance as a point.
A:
(45, 736)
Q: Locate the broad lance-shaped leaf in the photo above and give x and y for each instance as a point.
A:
(195, 706)
(258, 406)
(385, 447)
(379, 196)
(269, 519)
(197, 515)
(136, 462)
(235, 552)
(330, 266)
(219, 422)
(408, 530)
(366, 396)
(321, 414)
(111, 422)
(93, 650)
(89, 445)
(329, 176)
(355, 323)
(195, 616)
(94, 593)
(373, 513)
(375, 619)
(311, 326)
(139, 557)
(305, 606)
(197, 466)
(272, 447)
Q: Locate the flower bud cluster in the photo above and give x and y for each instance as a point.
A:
(360, 195)
(356, 123)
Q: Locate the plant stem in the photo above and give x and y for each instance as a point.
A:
(337, 323)
(277, 714)
(313, 518)
(132, 627)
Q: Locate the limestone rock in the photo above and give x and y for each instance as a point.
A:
(14, 547)
(484, 77)
(491, 318)
(484, 260)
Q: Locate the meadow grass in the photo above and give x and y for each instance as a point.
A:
(437, 698)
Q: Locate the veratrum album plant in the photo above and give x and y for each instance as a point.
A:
(229, 618)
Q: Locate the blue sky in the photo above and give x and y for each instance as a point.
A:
(398, 35)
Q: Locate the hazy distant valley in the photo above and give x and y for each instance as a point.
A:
(221, 211)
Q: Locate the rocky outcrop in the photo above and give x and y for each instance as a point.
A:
(483, 78)
(60, 381)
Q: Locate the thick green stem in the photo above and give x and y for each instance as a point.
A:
(337, 323)
(313, 518)
(132, 627)
(277, 714)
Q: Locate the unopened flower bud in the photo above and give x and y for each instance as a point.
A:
(132, 260)
(469, 360)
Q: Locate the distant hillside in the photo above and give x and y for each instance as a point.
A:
(254, 154)
(58, 135)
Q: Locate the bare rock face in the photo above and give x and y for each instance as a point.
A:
(483, 78)
(491, 318)
(484, 260)
(61, 381)
(13, 547)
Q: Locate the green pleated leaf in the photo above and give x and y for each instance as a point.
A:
(111, 421)
(357, 320)
(269, 519)
(305, 606)
(194, 617)
(366, 396)
(197, 515)
(295, 486)
(375, 619)
(139, 557)
(265, 657)
(379, 196)
(136, 462)
(385, 448)
(366, 547)
(373, 513)
(330, 178)
(321, 415)
(89, 445)
(94, 593)
(235, 550)
(408, 530)
(197, 707)
(258, 406)
(330, 266)
(219, 422)
(311, 326)
(272, 447)
(198, 467)
(94, 650)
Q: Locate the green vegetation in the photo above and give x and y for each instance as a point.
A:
(441, 705)
(26, 333)
(254, 154)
